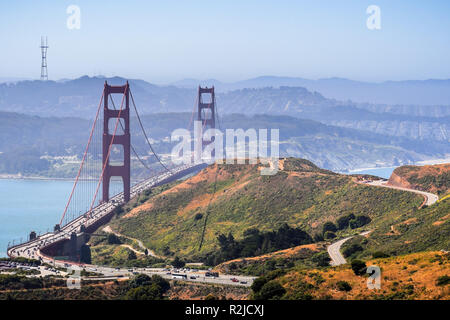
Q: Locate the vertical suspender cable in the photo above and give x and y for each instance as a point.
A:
(83, 160)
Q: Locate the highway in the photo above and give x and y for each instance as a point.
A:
(191, 275)
(334, 250)
(430, 197)
(110, 273)
(32, 249)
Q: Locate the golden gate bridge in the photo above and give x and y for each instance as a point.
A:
(107, 156)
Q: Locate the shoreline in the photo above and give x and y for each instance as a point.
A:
(417, 163)
(349, 171)
(373, 168)
(19, 177)
(34, 178)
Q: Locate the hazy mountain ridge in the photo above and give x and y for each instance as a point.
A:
(412, 92)
(81, 96)
(31, 137)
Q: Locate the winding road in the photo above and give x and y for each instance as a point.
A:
(334, 249)
(430, 197)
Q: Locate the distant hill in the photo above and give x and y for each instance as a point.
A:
(80, 98)
(431, 178)
(33, 145)
(412, 92)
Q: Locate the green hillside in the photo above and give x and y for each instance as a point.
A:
(413, 231)
(300, 195)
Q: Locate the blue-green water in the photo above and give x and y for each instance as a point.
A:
(27, 205)
(380, 172)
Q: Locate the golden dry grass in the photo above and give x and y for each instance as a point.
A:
(411, 276)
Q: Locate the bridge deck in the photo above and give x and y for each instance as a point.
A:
(31, 249)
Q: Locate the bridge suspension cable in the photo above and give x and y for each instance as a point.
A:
(145, 135)
(202, 237)
(132, 148)
(109, 152)
(83, 160)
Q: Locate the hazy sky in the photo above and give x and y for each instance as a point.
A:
(163, 41)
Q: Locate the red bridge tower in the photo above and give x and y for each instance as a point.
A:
(206, 113)
(122, 171)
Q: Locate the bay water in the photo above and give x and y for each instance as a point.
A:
(33, 205)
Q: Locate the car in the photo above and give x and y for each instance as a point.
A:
(212, 274)
(243, 282)
(234, 280)
(193, 277)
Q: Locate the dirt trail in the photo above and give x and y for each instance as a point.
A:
(108, 229)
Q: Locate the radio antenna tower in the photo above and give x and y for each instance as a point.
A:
(44, 47)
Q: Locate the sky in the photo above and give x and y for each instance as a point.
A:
(165, 41)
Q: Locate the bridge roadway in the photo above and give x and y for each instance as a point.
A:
(32, 249)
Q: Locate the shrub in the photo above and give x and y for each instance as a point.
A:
(359, 221)
(347, 252)
(329, 235)
(342, 222)
(359, 267)
(131, 255)
(322, 259)
(271, 290)
(343, 286)
(379, 254)
(318, 237)
(151, 292)
(118, 210)
(143, 287)
(140, 280)
(113, 239)
(258, 283)
(443, 280)
(256, 242)
(329, 226)
(178, 263)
